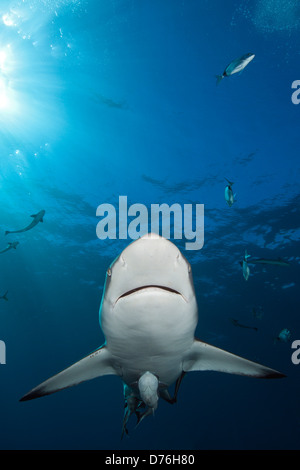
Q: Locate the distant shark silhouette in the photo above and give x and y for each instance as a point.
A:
(237, 323)
(36, 219)
(275, 262)
(10, 246)
(4, 297)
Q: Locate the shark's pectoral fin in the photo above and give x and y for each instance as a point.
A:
(94, 365)
(203, 356)
(33, 215)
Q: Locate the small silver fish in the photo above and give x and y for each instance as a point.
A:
(229, 196)
(246, 269)
(284, 336)
(236, 66)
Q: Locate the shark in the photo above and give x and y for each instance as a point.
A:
(10, 246)
(237, 323)
(36, 219)
(148, 315)
(274, 262)
(4, 296)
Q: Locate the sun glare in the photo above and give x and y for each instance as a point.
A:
(29, 84)
(7, 20)
(4, 100)
(4, 80)
(3, 57)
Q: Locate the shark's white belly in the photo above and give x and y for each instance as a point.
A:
(149, 330)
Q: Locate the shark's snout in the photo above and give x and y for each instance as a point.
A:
(150, 264)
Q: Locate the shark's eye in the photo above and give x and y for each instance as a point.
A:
(109, 272)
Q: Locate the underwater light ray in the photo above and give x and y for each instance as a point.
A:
(30, 88)
(31, 108)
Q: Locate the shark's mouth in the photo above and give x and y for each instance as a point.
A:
(153, 286)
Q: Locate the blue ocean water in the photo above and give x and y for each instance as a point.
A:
(119, 97)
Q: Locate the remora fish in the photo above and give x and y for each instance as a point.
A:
(10, 246)
(132, 404)
(148, 315)
(229, 196)
(236, 66)
(236, 323)
(4, 297)
(277, 262)
(36, 219)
